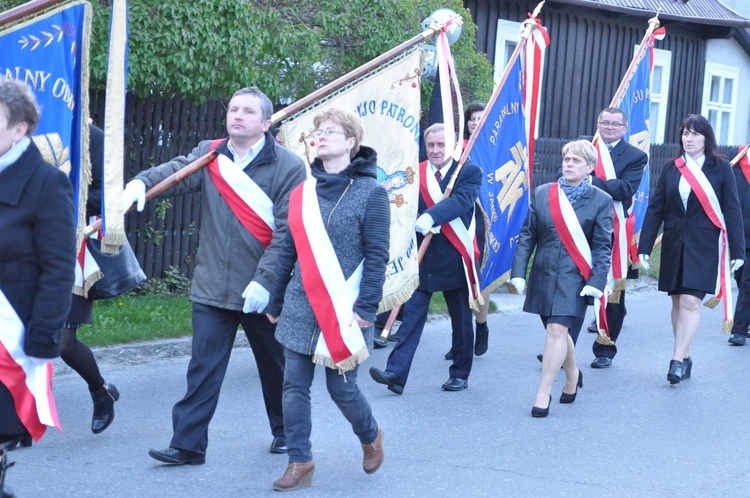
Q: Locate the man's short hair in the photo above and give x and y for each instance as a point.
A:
(266, 106)
(434, 129)
(614, 110)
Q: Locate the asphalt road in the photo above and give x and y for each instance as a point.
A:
(629, 433)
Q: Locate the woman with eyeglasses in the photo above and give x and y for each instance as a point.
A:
(37, 258)
(696, 200)
(327, 286)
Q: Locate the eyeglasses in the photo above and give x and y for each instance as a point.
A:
(613, 124)
(327, 132)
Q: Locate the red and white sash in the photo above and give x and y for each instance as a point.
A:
(245, 198)
(605, 170)
(341, 344)
(703, 190)
(574, 240)
(461, 238)
(30, 385)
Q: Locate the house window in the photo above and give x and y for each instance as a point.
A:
(660, 77)
(506, 41)
(719, 99)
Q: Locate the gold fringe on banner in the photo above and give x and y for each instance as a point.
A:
(400, 297)
(712, 302)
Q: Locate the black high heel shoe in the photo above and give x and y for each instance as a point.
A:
(687, 366)
(537, 412)
(566, 398)
(675, 372)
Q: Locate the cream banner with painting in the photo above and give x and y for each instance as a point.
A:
(388, 101)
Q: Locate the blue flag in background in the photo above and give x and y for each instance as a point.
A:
(500, 150)
(47, 52)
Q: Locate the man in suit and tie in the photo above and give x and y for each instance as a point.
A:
(629, 162)
(442, 267)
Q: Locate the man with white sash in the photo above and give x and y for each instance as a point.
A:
(618, 173)
(742, 311)
(244, 196)
(449, 265)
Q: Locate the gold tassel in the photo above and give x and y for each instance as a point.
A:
(620, 284)
(728, 326)
(712, 303)
(603, 339)
(614, 297)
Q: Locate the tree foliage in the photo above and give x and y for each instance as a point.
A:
(288, 48)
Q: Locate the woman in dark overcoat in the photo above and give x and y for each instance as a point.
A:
(557, 291)
(691, 241)
(37, 254)
(353, 213)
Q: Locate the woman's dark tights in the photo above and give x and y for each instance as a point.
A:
(79, 357)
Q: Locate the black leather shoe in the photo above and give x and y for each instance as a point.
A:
(24, 442)
(687, 366)
(390, 379)
(601, 362)
(104, 407)
(537, 412)
(592, 327)
(449, 355)
(455, 384)
(278, 445)
(379, 343)
(177, 457)
(566, 398)
(737, 340)
(675, 372)
(481, 342)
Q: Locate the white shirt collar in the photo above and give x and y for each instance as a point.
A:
(443, 170)
(252, 152)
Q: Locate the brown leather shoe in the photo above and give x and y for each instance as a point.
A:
(297, 475)
(373, 454)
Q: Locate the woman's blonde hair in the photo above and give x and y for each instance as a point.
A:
(348, 120)
(582, 148)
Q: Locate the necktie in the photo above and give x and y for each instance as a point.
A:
(438, 176)
(609, 147)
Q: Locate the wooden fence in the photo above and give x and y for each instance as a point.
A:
(159, 129)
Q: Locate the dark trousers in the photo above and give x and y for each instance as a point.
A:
(615, 316)
(412, 325)
(214, 330)
(742, 309)
(298, 377)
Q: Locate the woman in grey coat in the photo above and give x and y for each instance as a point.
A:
(557, 289)
(355, 216)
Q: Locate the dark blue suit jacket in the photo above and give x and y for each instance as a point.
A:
(442, 266)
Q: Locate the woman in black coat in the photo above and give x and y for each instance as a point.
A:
(557, 289)
(690, 247)
(37, 254)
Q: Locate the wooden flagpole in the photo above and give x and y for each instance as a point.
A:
(739, 156)
(530, 25)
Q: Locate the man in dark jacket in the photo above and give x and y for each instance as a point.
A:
(629, 162)
(742, 310)
(244, 203)
(441, 269)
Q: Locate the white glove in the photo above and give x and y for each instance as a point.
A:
(38, 361)
(424, 224)
(591, 291)
(135, 191)
(643, 258)
(519, 283)
(256, 298)
(737, 264)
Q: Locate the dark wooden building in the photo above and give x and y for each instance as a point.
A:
(592, 44)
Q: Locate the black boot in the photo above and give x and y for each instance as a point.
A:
(482, 339)
(104, 407)
(675, 372)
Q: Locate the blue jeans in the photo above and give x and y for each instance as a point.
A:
(299, 371)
